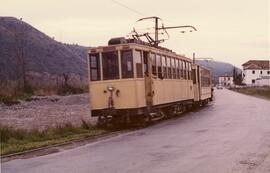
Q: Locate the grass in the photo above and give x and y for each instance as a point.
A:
(13, 141)
(263, 92)
(10, 100)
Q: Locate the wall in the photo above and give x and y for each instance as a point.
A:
(248, 76)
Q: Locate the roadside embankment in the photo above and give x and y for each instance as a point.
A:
(41, 113)
(261, 92)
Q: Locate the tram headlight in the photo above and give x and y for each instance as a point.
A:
(110, 88)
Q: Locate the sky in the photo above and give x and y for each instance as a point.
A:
(232, 31)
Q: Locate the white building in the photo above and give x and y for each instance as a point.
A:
(256, 73)
(226, 80)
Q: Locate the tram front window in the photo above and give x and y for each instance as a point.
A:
(110, 65)
(94, 67)
(126, 64)
(138, 63)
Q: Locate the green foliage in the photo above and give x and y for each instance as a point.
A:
(16, 140)
(11, 100)
(28, 89)
(68, 89)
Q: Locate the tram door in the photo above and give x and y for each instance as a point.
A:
(148, 79)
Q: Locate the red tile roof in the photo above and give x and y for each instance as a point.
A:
(257, 64)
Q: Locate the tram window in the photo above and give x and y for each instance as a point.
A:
(180, 69)
(187, 70)
(187, 77)
(164, 66)
(145, 61)
(173, 68)
(190, 78)
(110, 65)
(169, 67)
(153, 59)
(177, 68)
(184, 70)
(159, 66)
(189, 74)
(126, 64)
(94, 67)
(194, 76)
(138, 63)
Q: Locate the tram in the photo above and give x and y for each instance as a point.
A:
(131, 80)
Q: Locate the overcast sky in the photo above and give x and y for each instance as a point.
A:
(232, 31)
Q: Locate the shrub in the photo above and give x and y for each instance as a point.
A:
(68, 89)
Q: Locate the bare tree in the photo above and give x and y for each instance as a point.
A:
(20, 44)
(66, 78)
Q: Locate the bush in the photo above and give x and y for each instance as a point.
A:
(7, 133)
(68, 89)
(11, 100)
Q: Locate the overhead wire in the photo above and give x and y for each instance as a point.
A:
(127, 7)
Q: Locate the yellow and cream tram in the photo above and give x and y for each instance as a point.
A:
(130, 79)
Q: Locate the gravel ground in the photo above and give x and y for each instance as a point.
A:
(47, 112)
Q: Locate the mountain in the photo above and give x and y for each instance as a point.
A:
(23, 47)
(218, 68)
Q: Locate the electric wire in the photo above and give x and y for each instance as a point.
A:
(125, 6)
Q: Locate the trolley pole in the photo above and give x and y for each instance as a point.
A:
(156, 31)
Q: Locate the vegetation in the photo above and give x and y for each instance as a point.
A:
(11, 100)
(68, 89)
(18, 140)
(263, 92)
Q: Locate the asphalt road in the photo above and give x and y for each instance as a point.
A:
(230, 135)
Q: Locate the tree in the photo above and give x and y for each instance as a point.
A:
(20, 45)
(237, 77)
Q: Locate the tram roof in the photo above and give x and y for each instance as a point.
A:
(139, 45)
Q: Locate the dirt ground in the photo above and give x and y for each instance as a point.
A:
(47, 112)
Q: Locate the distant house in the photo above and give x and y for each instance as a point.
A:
(256, 73)
(226, 80)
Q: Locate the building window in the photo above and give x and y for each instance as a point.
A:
(126, 64)
(268, 72)
(138, 63)
(229, 78)
(94, 67)
(261, 72)
(253, 71)
(253, 81)
(110, 65)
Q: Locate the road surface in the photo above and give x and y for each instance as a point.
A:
(230, 135)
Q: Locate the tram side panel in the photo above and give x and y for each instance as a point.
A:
(125, 94)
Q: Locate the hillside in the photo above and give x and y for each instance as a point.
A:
(218, 68)
(41, 54)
